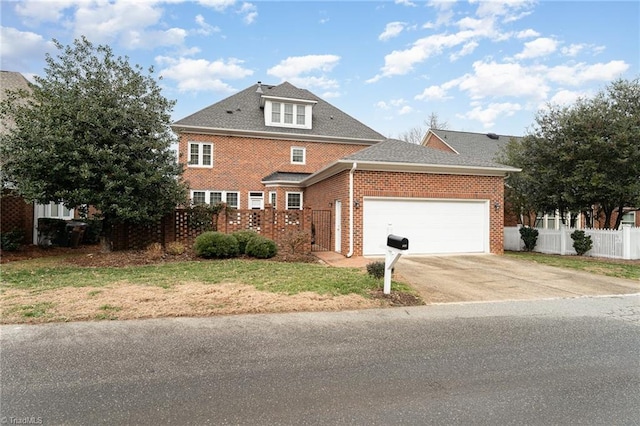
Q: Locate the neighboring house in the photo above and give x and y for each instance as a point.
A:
(489, 146)
(283, 147)
(17, 214)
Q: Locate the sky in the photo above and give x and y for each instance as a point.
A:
(480, 66)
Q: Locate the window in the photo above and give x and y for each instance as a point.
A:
(288, 114)
(294, 200)
(273, 198)
(629, 219)
(214, 197)
(256, 200)
(55, 210)
(200, 154)
(298, 155)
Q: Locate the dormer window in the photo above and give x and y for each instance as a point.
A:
(281, 112)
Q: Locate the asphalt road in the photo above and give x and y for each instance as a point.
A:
(569, 361)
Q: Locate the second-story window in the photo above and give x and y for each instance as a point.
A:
(200, 154)
(298, 155)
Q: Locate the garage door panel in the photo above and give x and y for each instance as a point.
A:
(432, 226)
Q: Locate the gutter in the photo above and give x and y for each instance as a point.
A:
(353, 169)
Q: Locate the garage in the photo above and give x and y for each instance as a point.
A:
(432, 226)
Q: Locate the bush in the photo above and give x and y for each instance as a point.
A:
(52, 232)
(261, 247)
(376, 269)
(581, 242)
(295, 241)
(529, 236)
(154, 251)
(243, 238)
(10, 241)
(175, 248)
(93, 231)
(213, 244)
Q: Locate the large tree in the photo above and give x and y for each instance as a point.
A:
(416, 134)
(585, 155)
(94, 130)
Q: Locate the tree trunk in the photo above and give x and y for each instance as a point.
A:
(106, 240)
(106, 245)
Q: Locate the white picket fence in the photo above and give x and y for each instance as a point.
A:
(620, 244)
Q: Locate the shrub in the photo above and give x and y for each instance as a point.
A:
(52, 232)
(529, 236)
(243, 238)
(213, 244)
(175, 248)
(92, 233)
(295, 241)
(10, 241)
(581, 242)
(154, 251)
(376, 269)
(261, 247)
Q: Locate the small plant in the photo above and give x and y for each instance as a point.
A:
(213, 244)
(243, 238)
(175, 248)
(376, 269)
(10, 241)
(262, 248)
(295, 240)
(529, 236)
(581, 242)
(154, 251)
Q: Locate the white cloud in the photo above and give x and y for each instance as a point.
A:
(405, 110)
(18, 47)
(529, 33)
(202, 75)
(581, 73)
(488, 115)
(34, 11)
(205, 28)
(381, 105)
(467, 49)
(250, 12)
(295, 67)
(491, 79)
(219, 5)
(405, 3)
(542, 46)
(393, 29)
(566, 97)
(432, 93)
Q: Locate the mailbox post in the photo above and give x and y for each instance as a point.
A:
(395, 247)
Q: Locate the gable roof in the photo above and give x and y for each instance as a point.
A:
(479, 145)
(11, 81)
(241, 114)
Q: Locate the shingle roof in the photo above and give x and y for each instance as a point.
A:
(10, 80)
(242, 112)
(478, 145)
(397, 151)
(285, 177)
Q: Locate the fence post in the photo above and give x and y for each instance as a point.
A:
(563, 240)
(626, 242)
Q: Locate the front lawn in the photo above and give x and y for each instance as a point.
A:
(58, 289)
(629, 269)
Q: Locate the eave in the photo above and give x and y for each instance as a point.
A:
(257, 134)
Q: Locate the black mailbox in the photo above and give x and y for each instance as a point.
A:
(397, 242)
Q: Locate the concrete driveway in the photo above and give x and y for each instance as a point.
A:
(442, 279)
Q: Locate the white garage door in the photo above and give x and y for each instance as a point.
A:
(432, 226)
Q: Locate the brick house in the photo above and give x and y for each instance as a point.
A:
(488, 146)
(278, 146)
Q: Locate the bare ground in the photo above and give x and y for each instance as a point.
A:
(129, 301)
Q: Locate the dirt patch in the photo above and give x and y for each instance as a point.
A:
(123, 301)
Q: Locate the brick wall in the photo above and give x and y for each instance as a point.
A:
(435, 142)
(275, 225)
(240, 164)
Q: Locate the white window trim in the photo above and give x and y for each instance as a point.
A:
(251, 195)
(268, 116)
(632, 222)
(208, 192)
(200, 155)
(44, 210)
(301, 200)
(273, 199)
(304, 155)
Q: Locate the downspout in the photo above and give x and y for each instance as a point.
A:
(353, 169)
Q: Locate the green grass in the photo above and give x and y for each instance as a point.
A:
(608, 267)
(278, 277)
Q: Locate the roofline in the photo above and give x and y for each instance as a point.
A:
(180, 128)
(284, 98)
(342, 165)
(441, 140)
